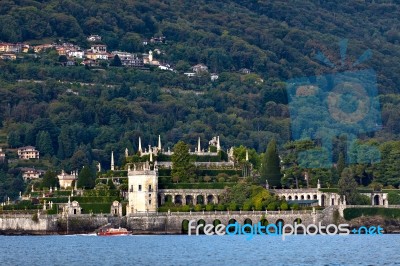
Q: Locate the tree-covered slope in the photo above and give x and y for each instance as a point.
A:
(276, 40)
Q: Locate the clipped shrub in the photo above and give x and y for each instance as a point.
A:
(209, 207)
(284, 206)
(198, 207)
(394, 198)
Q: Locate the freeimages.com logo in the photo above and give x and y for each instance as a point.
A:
(338, 104)
(279, 229)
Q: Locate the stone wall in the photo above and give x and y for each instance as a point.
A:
(152, 223)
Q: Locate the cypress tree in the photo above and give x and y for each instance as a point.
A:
(340, 163)
(271, 169)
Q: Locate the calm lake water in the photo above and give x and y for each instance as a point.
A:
(200, 250)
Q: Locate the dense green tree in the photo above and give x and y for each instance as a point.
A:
(340, 163)
(49, 180)
(86, 178)
(348, 186)
(182, 166)
(43, 143)
(271, 170)
(116, 61)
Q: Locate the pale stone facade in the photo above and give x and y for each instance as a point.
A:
(28, 152)
(143, 186)
(31, 173)
(72, 208)
(116, 208)
(66, 180)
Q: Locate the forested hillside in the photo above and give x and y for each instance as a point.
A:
(75, 115)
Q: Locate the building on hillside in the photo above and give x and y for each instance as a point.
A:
(42, 47)
(31, 173)
(142, 188)
(2, 155)
(13, 47)
(8, 56)
(28, 152)
(160, 39)
(128, 59)
(165, 67)
(67, 180)
(190, 74)
(149, 59)
(244, 71)
(90, 63)
(214, 77)
(76, 53)
(97, 56)
(199, 68)
(94, 38)
(98, 48)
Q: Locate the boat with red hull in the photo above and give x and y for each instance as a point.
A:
(113, 232)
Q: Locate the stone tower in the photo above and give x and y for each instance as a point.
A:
(143, 187)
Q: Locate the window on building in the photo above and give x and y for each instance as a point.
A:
(140, 188)
(149, 187)
(149, 201)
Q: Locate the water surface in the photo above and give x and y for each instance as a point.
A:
(200, 250)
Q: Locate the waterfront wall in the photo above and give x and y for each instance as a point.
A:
(49, 224)
(150, 223)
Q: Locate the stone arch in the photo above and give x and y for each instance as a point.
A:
(323, 199)
(189, 200)
(297, 220)
(315, 197)
(308, 197)
(376, 200)
(210, 199)
(280, 220)
(247, 221)
(185, 226)
(216, 222)
(201, 222)
(296, 197)
(264, 222)
(283, 198)
(200, 199)
(159, 200)
(231, 221)
(290, 198)
(302, 197)
(167, 198)
(178, 200)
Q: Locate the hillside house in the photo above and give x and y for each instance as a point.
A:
(94, 38)
(31, 173)
(98, 48)
(199, 68)
(8, 56)
(28, 152)
(2, 155)
(128, 59)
